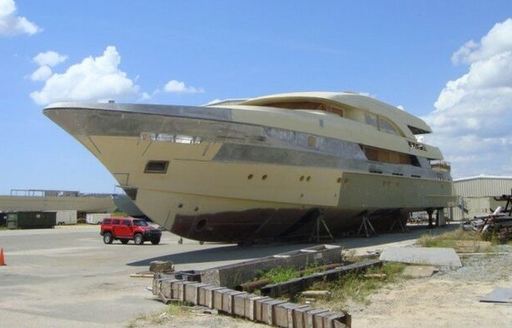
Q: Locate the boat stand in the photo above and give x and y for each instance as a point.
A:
(320, 223)
(369, 230)
(398, 223)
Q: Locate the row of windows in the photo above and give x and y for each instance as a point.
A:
(381, 123)
(377, 121)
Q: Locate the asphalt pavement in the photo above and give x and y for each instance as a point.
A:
(67, 277)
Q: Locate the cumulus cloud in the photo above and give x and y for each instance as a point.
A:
(49, 58)
(46, 60)
(11, 24)
(174, 86)
(42, 73)
(93, 79)
(473, 113)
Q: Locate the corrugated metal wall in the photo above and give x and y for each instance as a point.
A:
(483, 187)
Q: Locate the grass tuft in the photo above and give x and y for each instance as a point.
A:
(458, 239)
(358, 287)
(281, 274)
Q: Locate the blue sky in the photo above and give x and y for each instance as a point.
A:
(398, 51)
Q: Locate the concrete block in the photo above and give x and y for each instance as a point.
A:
(181, 290)
(336, 320)
(218, 297)
(268, 311)
(256, 307)
(239, 303)
(175, 286)
(284, 314)
(310, 316)
(228, 301)
(281, 314)
(439, 256)
(164, 288)
(206, 295)
(233, 275)
(299, 316)
(321, 320)
(192, 292)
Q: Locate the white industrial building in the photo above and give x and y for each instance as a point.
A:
(476, 195)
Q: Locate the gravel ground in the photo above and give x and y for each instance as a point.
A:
(448, 299)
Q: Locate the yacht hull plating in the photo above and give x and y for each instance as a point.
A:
(212, 174)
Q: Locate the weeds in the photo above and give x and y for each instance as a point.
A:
(281, 274)
(448, 239)
(358, 286)
(159, 318)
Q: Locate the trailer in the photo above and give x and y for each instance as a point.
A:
(95, 218)
(66, 217)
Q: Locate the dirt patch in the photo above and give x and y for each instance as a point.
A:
(448, 299)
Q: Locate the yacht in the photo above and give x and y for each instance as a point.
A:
(265, 168)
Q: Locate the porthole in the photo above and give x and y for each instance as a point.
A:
(249, 177)
(264, 177)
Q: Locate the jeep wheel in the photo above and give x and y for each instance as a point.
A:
(155, 241)
(138, 239)
(124, 241)
(107, 238)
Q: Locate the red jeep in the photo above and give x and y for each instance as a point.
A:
(126, 229)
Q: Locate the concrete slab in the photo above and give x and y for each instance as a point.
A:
(420, 271)
(498, 295)
(438, 256)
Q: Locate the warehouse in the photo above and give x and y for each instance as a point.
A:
(476, 195)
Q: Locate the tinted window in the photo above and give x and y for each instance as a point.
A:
(127, 222)
(140, 223)
(156, 167)
(115, 221)
(106, 221)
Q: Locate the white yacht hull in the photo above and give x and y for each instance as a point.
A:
(228, 182)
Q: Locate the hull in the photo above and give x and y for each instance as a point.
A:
(220, 179)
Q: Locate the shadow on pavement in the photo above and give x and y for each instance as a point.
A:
(233, 252)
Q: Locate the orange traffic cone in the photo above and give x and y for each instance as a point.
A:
(2, 260)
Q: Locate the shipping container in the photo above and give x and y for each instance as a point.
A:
(31, 220)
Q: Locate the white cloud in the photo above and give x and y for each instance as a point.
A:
(93, 79)
(10, 24)
(473, 113)
(46, 60)
(49, 58)
(43, 73)
(174, 86)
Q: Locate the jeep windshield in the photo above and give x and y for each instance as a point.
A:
(140, 223)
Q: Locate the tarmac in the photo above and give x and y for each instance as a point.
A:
(67, 277)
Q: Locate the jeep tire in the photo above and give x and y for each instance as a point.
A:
(155, 241)
(107, 238)
(138, 239)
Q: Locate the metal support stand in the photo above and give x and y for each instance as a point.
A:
(398, 221)
(367, 226)
(320, 222)
(430, 212)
